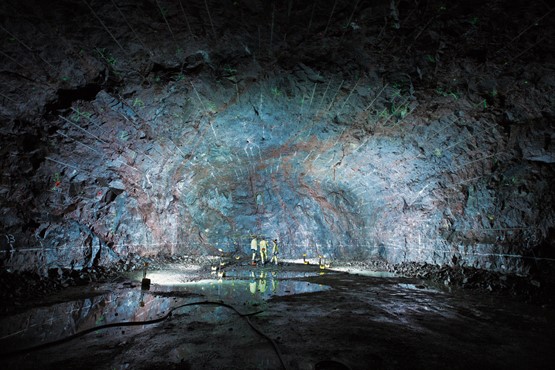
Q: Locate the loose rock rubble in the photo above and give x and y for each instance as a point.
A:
(25, 288)
(536, 289)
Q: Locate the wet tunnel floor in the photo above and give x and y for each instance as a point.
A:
(363, 322)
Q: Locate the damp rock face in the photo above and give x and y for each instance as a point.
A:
(401, 132)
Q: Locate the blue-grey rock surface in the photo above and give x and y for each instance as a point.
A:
(350, 135)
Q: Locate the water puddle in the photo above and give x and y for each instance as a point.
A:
(168, 289)
(242, 274)
(240, 284)
(46, 324)
(417, 287)
(363, 272)
(245, 286)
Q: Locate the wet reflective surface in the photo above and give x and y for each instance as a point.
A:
(259, 285)
(238, 286)
(362, 272)
(51, 323)
(314, 317)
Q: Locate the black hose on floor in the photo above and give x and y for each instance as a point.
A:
(149, 322)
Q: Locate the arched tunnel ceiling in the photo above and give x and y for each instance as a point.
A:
(409, 131)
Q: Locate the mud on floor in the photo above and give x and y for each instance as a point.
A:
(295, 316)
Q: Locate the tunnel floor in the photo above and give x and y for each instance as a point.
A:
(257, 317)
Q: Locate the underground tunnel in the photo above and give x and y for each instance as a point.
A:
(395, 156)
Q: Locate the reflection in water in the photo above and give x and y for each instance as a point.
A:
(366, 272)
(244, 273)
(417, 287)
(252, 283)
(246, 286)
(46, 324)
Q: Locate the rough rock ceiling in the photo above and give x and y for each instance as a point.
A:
(410, 131)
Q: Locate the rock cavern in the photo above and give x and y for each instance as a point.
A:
(402, 154)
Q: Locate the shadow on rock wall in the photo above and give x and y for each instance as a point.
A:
(372, 131)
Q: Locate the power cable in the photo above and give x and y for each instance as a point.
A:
(150, 322)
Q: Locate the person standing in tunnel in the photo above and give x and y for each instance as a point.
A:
(275, 251)
(263, 250)
(254, 249)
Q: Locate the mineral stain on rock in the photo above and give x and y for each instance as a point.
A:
(415, 138)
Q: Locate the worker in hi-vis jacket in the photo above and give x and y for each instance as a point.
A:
(263, 250)
(275, 251)
(254, 249)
